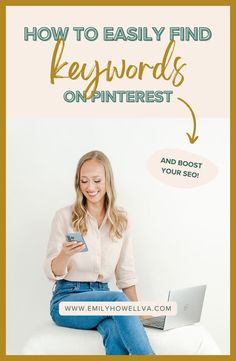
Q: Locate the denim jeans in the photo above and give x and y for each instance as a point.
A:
(122, 335)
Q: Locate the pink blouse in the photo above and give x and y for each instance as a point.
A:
(105, 257)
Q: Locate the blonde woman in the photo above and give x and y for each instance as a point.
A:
(83, 276)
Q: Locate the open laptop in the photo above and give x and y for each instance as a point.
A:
(189, 308)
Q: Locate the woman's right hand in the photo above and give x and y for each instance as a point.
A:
(71, 248)
(59, 263)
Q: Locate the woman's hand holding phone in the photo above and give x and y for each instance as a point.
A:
(74, 244)
(70, 248)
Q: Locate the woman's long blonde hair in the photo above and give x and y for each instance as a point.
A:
(116, 217)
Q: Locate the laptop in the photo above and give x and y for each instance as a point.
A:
(189, 308)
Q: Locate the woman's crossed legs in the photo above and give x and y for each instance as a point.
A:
(122, 335)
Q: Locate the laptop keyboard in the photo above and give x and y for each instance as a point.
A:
(157, 322)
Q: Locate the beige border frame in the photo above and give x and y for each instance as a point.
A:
(3, 4)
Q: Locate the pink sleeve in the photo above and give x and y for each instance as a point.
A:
(125, 270)
(56, 240)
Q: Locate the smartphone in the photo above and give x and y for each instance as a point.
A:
(76, 237)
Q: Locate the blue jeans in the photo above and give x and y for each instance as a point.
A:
(122, 335)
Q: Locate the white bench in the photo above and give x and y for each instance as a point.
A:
(54, 340)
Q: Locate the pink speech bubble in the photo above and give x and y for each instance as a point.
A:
(179, 168)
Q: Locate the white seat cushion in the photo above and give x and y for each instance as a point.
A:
(54, 340)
